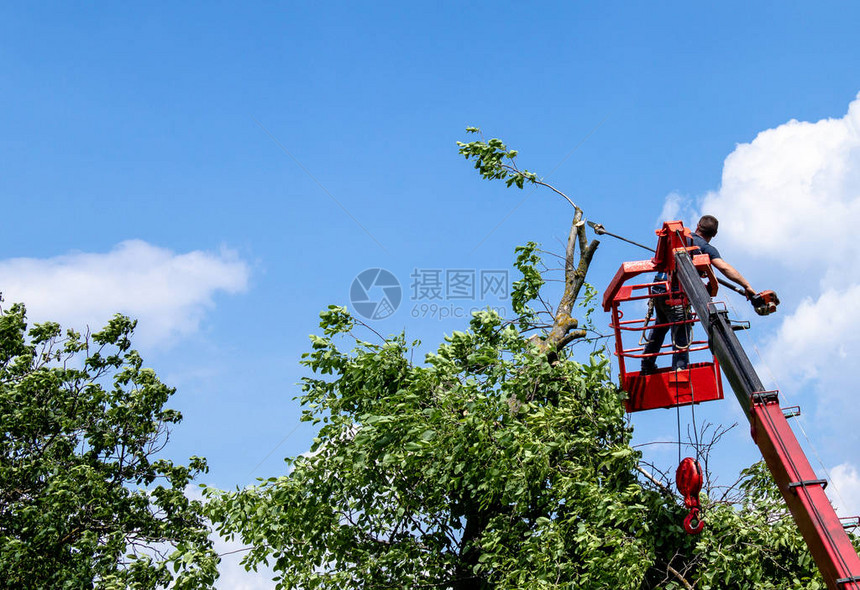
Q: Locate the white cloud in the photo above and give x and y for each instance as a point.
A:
(168, 293)
(845, 495)
(792, 196)
(673, 207)
(233, 575)
(819, 334)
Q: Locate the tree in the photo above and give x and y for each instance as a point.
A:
(502, 461)
(423, 476)
(83, 499)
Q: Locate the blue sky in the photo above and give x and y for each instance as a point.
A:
(184, 164)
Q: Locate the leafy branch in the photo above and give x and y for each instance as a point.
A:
(495, 161)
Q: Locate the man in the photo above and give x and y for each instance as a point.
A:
(706, 229)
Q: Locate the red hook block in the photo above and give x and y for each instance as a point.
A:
(688, 478)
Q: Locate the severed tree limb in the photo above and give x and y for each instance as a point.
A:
(564, 325)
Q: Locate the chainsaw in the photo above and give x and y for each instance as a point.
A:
(764, 303)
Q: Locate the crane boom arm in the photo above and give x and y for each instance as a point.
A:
(803, 492)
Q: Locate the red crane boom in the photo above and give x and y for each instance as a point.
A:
(802, 490)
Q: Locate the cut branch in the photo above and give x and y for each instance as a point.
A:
(564, 329)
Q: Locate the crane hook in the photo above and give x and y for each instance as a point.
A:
(688, 478)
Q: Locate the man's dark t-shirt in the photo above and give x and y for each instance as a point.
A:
(705, 247)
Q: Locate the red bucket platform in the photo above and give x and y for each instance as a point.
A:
(699, 382)
(664, 388)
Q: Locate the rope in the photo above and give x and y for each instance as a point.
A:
(803, 489)
(693, 416)
(799, 419)
(802, 430)
(600, 230)
(689, 333)
(678, 418)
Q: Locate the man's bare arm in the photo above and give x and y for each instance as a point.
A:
(732, 274)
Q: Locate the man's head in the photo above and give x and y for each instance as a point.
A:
(707, 227)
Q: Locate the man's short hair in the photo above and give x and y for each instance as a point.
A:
(708, 226)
